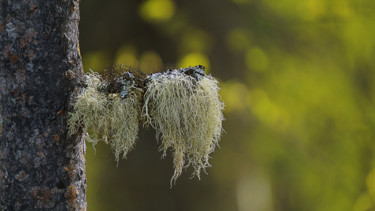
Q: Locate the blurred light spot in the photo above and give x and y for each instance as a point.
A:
(95, 61)
(307, 10)
(233, 93)
(314, 9)
(358, 36)
(150, 61)
(195, 40)
(256, 59)
(342, 9)
(238, 40)
(254, 193)
(127, 55)
(156, 11)
(363, 203)
(194, 59)
(266, 110)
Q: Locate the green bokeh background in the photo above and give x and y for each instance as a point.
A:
(297, 78)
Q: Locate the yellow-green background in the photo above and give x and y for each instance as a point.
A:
(297, 78)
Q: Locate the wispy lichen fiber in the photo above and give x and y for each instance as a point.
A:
(106, 117)
(187, 114)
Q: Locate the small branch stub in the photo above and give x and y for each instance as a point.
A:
(69, 74)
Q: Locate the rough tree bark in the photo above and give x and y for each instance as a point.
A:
(40, 64)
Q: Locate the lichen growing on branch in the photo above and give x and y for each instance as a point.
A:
(108, 110)
(185, 108)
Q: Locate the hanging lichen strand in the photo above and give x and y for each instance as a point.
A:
(108, 110)
(185, 108)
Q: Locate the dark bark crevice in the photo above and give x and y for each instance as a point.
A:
(40, 65)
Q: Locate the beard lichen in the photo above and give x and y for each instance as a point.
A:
(107, 116)
(185, 108)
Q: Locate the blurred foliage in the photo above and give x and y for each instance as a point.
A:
(299, 84)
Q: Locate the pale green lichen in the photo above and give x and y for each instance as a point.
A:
(187, 113)
(106, 117)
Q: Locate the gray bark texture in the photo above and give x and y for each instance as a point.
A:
(40, 65)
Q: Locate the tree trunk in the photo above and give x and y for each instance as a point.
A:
(40, 64)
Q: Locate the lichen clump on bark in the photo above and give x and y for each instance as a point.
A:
(185, 108)
(105, 116)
